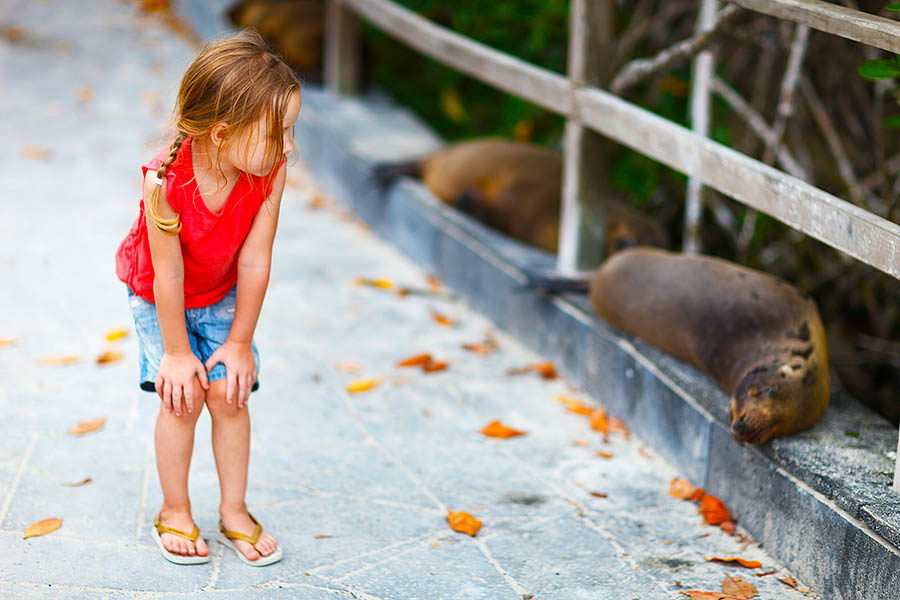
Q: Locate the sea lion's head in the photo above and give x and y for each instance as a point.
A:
(778, 399)
(756, 407)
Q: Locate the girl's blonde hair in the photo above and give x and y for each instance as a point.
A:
(238, 81)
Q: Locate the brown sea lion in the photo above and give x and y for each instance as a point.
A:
(759, 337)
(515, 188)
(295, 28)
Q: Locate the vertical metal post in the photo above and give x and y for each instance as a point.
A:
(582, 229)
(897, 468)
(700, 94)
(342, 69)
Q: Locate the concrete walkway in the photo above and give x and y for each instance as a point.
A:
(356, 487)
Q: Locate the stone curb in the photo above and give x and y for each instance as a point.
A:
(819, 501)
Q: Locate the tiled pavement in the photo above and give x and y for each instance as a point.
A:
(356, 487)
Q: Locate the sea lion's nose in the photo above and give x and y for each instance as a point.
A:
(740, 429)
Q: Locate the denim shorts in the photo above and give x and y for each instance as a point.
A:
(207, 329)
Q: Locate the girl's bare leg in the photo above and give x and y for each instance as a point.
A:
(174, 441)
(231, 447)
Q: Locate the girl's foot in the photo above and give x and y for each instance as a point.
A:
(239, 521)
(177, 544)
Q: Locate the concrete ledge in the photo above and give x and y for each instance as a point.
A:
(819, 501)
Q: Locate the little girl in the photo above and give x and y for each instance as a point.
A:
(196, 263)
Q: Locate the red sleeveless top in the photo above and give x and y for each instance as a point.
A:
(210, 241)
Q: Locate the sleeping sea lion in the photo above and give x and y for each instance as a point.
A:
(294, 27)
(759, 337)
(515, 188)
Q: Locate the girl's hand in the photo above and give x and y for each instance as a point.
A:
(240, 370)
(175, 381)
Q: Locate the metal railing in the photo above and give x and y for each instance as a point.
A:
(587, 107)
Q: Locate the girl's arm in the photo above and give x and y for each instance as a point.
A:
(175, 381)
(254, 261)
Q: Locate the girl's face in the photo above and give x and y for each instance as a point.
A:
(251, 151)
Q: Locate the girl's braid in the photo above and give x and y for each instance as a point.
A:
(171, 226)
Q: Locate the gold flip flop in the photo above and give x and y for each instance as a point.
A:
(178, 559)
(226, 536)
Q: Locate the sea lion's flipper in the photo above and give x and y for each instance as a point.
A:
(388, 173)
(554, 284)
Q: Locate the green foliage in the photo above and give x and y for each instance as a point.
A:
(879, 69)
(893, 7)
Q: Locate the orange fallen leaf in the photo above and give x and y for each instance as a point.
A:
(433, 366)
(788, 581)
(683, 490)
(603, 454)
(322, 536)
(599, 494)
(7, 342)
(484, 348)
(362, 385)
(415, 361)
(434, 544)
(546, 369)
(727, 527)
(14, 33)
(84, 481)
(581, 443)
(59, 360)
(116, 334)
(714, 510)
(463, 522)
(442, 320)
(319, 201)
(86, 94)
(433, 284)
(617, 424)
(36, 152)
(764, 573)
(736, 586)
(87, 426)
(385, 284)
(109, 356)
(42, 527)
(573, 405)
(750, 564)
(598, 421)
(348, 366)
(499, 430)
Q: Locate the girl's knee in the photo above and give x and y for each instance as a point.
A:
(215, 401)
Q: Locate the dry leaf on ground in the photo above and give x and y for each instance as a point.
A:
(68, 359)
(683, 490)
(7, 342)
(714, 510)
(384, 284)
(87, 426)
(322, 536)
(727, 527)
(598, 421)
(750, 564)
(603, 454)
(581, 443)
(764, 573)
(698, 595)
(84, 481)
(433, 366)
(86, 94)
(499, 430)
(484, 348)
(348, 366)
(362, 385)
(42, 527)
(116, 334)
(574, 405)
(788, 581)
(14, 33)
(109, 356)
(36, 152)
(599, 494)
(442, 320)
(463, 522)
(738, 587)
(415, 361)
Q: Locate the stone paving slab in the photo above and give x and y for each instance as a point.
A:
(356, 487)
